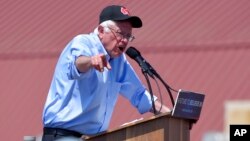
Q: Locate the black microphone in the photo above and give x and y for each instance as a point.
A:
(147, 68)
(136, 55)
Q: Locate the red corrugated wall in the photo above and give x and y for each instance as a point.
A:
(195, 45)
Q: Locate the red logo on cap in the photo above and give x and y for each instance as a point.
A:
(124, 11)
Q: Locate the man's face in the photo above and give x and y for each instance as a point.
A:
(116, 41)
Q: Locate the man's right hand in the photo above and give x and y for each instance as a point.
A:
(99, 62)
(84, 63)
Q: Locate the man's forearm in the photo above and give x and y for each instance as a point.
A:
(83, 63)
(160, 108)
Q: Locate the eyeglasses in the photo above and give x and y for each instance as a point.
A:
(122, 35)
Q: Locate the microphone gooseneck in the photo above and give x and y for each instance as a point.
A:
(133, 53)
(145, 67)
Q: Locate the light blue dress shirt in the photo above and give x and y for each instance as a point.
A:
(84, 102)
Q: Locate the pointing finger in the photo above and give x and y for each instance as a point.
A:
(108, 66)
(105, 62)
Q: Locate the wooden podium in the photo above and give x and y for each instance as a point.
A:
(162, 127)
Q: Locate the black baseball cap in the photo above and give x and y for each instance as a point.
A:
(119, 13)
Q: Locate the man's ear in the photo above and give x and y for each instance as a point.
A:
(100, 29)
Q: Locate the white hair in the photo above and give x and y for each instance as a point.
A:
(105, 25)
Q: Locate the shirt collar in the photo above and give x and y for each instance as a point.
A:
(100, 46)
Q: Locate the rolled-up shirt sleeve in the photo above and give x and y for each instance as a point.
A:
(77, 47)
(142, 102)
(133, 89)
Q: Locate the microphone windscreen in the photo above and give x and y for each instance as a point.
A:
(132, 52)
